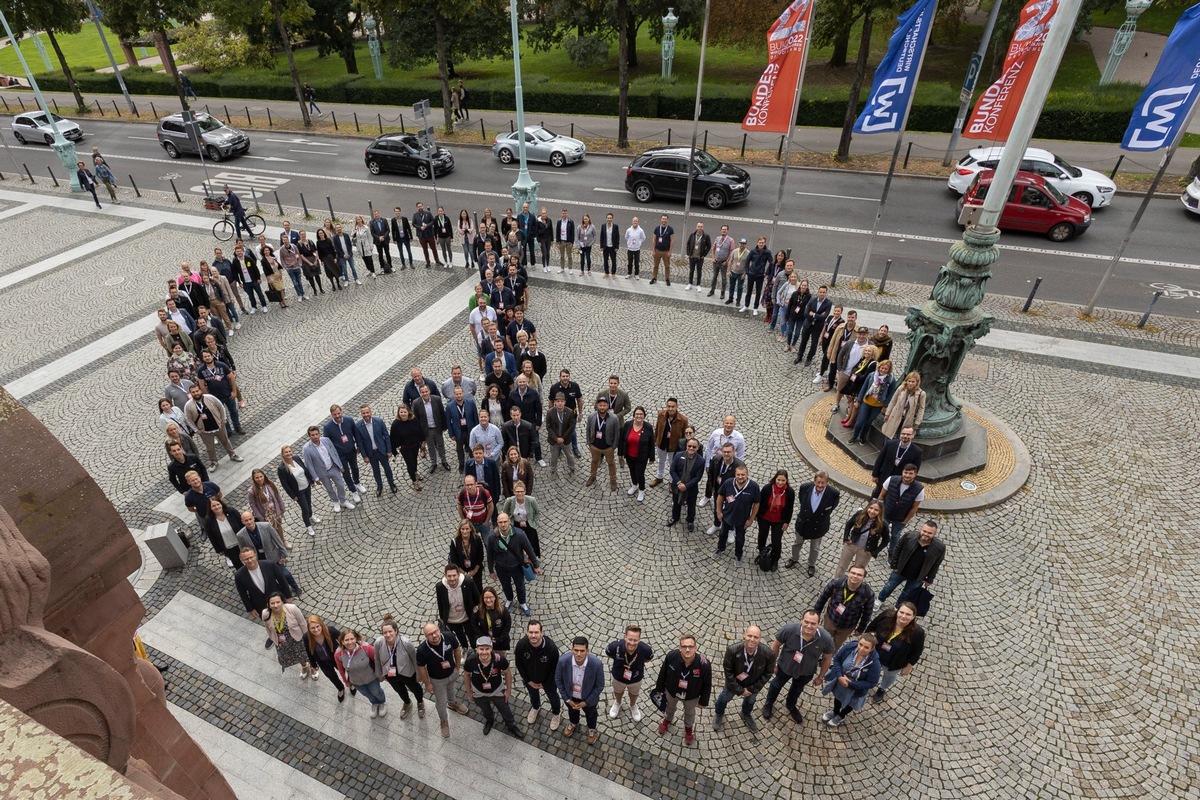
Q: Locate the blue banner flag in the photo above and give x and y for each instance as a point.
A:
(1165, 105)
(896, 77)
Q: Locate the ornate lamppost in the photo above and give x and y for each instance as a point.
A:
(41, 48)
(1123, 38)
(373, 45)
(670, 21)
(525, 190)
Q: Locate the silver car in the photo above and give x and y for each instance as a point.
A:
(218, 139)
(33, 126)
(540, 145)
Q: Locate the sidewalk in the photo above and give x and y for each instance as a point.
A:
(642, 132)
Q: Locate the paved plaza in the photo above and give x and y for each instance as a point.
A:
(1061, 649)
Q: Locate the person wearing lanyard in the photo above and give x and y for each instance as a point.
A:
(848, 602)
(901, 643)
(774, 513)
(320, 642)
(803, 651)
(438, 657)
(737, 504)
(490, 619)
(720, 469)
(356, 662)
(747, 668)
(488, 683)
(396, 663)
(579, 678)
(603, 427)
(684, 677)
(525, 513)
(629, 657)
(853, 673)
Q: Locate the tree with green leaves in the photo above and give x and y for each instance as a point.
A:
(463, 29)
(331, 29)
(269, 23)
(129, 18)
(561, 20)
(214, 47)
(51, 16)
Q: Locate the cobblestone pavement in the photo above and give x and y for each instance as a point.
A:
(1061, 644)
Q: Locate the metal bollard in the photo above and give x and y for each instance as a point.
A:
(52, 100)
(254, 196)
(883, 281)
(153, 110)
(380, 118)
(483, 130)
(226, 107)
(512, 128)
(668, 137)
(133, 183)
(572, 130)
(370, 209)
(248, 122)
(705, 139)
(206, 111)
(333, 116)
(743, 155)
(278, 204)
(356, 128)
(779, 155)
(1146, 316)
(329, 203)
(1116, 167)
(22, 102)
(98, 107)
(30, 174)
(270, 122)
(115, 108)
(5, 101)
(52, 175)
(178, 199)
(1032, 292)
(304, 205)
(402, 124)
(837, 265)
(907, 153)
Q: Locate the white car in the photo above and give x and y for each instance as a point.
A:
(1191, 197)
(33, 126)
(1093, 188)
(540, 145)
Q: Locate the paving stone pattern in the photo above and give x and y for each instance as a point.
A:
(36, 230)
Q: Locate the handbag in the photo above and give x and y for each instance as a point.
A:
(920, 597)
(530, 575)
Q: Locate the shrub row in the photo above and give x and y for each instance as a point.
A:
(1087, 116)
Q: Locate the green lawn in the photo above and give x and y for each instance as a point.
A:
(82, 49)
(1156, 19)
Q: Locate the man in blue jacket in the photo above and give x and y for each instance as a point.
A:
(686, 471)
(580, 681)
(374, 442)
(340, 430)
(238, 213)
(461, 418)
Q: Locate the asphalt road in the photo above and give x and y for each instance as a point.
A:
(823, 213)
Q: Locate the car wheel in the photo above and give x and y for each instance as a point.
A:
(172, 150)
(1084, 196)
(714, 199)
(374, 168)
(214, 155)
(49, 139)
(643, 192)
(1061, 232)
(19, 137)
(558, 160)
(506, 156)
(423, 171)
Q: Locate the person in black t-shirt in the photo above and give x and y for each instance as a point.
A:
(488, 681)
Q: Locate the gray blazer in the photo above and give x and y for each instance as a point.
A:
(316, 465)
(612, 429)
(406, 657)
(272, 542)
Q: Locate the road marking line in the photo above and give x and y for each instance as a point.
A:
(840, 196)
(143, 138)
(310, 152)
(611, 191)
(538, 171)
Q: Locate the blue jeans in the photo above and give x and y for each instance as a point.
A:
(889, 678)
(793, 691)
(468, 254)
(403, 245)
(231, 405)
(574, 440)
(726, 695)
(794, 328)
(780, 317)
(736, 282)
(894, 580)
(297, 277)
(350, 470)
(379, 461)
(896, 531)
(866, 415)
(535, 698)
(255, 293)
(347, 261)
(373, 692)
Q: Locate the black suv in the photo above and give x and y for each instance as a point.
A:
(398, 152)
(663, 172)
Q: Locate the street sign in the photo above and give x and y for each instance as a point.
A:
(421, 109)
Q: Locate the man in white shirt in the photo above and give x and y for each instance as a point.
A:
(326, 466)
(635, 237)
(724, 435)
(477, 326)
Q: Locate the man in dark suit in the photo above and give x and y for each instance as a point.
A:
(412, 389)
(380, 236)
(517, 432)
(530, 402)
(340, 430)
(375, 444)
(894, 455)
(485, 471)
(344, 249)
(610, 242)
(686, 470)
(431, 415)
(526, 234)
(402, 236)
(815, 501)
(461, 418)
(816, 314)
(422, 222)
(256, 581)
(560, 430)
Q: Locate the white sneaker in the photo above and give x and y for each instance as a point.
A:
(632, 491)
(348, 506)
(253, 311)
(817, 378)
(531, 717)
(355, 497)
(561, 270)
(555, 721)
(712, 529)
(703, 502)
(756, 312)
(360, 490)
(545, 269)
(336, 508)
(699, 288)
(358, 282)
(743, 309)
(541, 462)
(266, 309)
(374, 712)
(382, 710)
(637, 714)
(689, 288)
(614, 710)
(730, 538)
(237, 326)
(315, 518)
(310, 531)
(641, 497)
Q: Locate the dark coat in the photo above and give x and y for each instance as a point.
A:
(288, 481)
(885, 465)
(762, 666)
(810, 524)
(213, 532)
(537, 664)
(470, 599)
(439, 413)
(273, 581)
(645, 441)
(699, 677)
(491, 475)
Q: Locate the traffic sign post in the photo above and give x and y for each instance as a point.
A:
(427, 139)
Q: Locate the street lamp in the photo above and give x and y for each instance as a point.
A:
(373, 45)
(41, 48)
(1123, 38)
(525, 190)
(64, 148)
(98, 15)
(668, 43)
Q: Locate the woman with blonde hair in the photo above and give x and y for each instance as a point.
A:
(873, 396)
(266, 502)
(320, 641)
(907, 408)
(864, 536)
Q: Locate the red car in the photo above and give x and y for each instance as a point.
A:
(1033, 205)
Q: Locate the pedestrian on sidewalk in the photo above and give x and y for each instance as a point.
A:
(188, 90)
(105, 176)
(87, 182)
(454, 105)
(487, 680)
(462, 100)
(310, 97)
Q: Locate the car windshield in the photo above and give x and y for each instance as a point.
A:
(1070, 169)
(207, 124)
(543, 135)
(706, 163)
(1053, 191)
(41, 117)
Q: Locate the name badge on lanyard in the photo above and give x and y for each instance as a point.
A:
(600, 430)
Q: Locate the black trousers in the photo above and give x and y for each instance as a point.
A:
(810, 336)
(775, 531)
(677, 501)
(464, 632)
(610, 257)
(409, 455)
(634, 265)
(637, 472)
(330, 672)
(489, 704)
(385, 256)
(403, 684)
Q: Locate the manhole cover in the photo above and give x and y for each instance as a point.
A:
(968, 486)
(116, 280)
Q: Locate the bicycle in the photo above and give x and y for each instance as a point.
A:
(226, 228)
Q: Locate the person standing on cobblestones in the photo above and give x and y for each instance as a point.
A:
(265, 501)
(684, 677)
(895, 455)
(667, 429)
(222, 524)
(853, 673)
(847, 602)
(487, 681)
(325, 465)
(457, 599)
(915, 561)
(901, 497)
(629, 658)
(374, 444)
(339, 429)
(737, 503)
(396, 663)
(635, 237)
(462, 416)
(487, 435)
(207, 415)
(579, 678)
(686, 471)
(475, 504)
(774, 513)
(431, 416)
(438, 659)
(297, 481)
(721, 469)
(747, 668)
(536, 656)
(727, 434)
(636, 446)
(901, 643)
(525, 512)
(817, 501)
(803, 652)
(508, 551)
(560, 431)
(492, 620)
(486, 473)
(603, 428)
(179, 464)
(466, 553)
(863, 537)
(356, 663)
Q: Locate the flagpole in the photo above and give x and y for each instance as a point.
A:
(787, 152)
(887, 182)
(1137, 217)
(687, 203)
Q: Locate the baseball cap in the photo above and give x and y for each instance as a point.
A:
(742, 240)
(483, 641)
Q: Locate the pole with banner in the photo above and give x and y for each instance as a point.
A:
(895, 84)
(787, 51)
(1161, 116)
